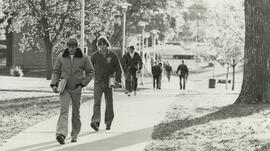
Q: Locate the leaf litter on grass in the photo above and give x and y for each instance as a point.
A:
(213, 127)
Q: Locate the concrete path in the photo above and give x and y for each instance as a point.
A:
(135, 117)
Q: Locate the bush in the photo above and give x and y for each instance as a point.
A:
(16, 71)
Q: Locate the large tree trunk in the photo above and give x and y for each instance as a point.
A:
(227, 76)
(255, 87)
(49, 48)
(47, 40)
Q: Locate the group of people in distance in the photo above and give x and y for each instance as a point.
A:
(182, 72)
(76, 70)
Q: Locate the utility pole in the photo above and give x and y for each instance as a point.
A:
(82, 24)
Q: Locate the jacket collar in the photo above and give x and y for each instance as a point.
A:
(78, 53)
(108, 51)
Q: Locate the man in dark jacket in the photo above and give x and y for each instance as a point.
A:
(168, 69)
(106, 64)
(156, 72)
(183, 69)
(132, 63)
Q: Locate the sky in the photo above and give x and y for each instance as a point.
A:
(214, 3)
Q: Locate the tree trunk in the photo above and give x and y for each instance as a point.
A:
(47, 40)
(227, 75)
(9, 37)
(48, 59)
(233, 75)
(255, 87)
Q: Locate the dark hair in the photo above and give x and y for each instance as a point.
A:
(72, 42)
(131, 47)
(102, 41)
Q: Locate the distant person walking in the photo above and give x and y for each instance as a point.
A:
(72, 71)
(168, 69)
(160, 75)
(183, 73)
(132, 64)
(156, 71)
(106, 66)
(126, 74)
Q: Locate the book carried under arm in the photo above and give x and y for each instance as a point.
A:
(62, 85)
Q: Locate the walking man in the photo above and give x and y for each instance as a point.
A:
(73, 70)
(168, 69)
(126, 74)
(132, 64)
(160, 75)
(182, 71)
(106, 64)
(156, 71)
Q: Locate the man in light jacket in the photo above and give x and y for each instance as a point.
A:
(76, 69)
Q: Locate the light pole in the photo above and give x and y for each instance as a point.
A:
(82, 24)
(124, 7)
(143, 24)
(154, 32)
(197, 34)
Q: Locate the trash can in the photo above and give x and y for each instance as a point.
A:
(212, 83)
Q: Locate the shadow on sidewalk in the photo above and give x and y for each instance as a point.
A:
(165, 130)
(106, 144)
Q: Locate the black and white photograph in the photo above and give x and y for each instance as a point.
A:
(135, 75)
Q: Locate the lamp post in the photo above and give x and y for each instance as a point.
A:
(197, 34)
(154, 32)
(124, 8)
(143, 24)
(82, 24)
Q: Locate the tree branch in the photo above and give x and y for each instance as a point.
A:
(34, 8)
(238, 34)
(62, 22)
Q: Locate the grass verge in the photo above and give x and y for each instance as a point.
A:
(19, 114)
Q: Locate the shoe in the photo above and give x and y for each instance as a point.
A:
(128, 94)
(94, 126)
(135, 93)
(73, 140)
(108, 127)
(61, 139)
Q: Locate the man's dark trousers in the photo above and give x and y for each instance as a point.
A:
(156, 82)
(183, 78)
(99, 89)
(132, 80)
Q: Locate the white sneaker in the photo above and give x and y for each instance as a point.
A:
(128, 94)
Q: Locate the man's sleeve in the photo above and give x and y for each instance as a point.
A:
(187, 70)
(56, 72)
(118, 68)
(124, 62)
(89, 71)
(178, 68)
(140, 62)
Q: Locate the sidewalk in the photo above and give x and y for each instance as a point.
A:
(133, 124)
(131, 130)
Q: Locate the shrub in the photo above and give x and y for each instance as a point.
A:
(16, 71)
